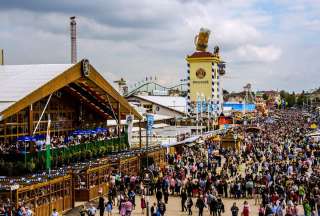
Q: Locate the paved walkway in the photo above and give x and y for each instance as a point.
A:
(174, 208)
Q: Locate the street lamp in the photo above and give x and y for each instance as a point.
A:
(147, 179)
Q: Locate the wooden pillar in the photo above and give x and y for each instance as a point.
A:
(140, 134)
(30, 120)
(119, 120)
(5, 130)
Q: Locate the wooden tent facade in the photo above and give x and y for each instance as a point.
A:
(78, 98)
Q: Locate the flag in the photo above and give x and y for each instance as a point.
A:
(204, 105)
(129, 121)
(198, 105)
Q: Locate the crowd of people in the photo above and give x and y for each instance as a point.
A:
(276, 172)
(38, 143)
(278, 167)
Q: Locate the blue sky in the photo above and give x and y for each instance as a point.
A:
(273, 44)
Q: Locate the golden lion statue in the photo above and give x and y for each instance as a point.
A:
(201, 40)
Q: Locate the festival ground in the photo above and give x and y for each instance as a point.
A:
(174, 207)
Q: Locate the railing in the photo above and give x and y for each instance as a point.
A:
(17, 164)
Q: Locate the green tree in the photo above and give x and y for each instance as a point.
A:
(265, 96)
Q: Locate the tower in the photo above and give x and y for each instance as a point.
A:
(73, 34)
(204, 74)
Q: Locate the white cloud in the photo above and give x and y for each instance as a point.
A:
(259, 53)
(132, 39)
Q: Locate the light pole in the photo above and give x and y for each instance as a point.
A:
(209, 110)
(197, 113)
(201, 110)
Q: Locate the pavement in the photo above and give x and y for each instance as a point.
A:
(174, 207)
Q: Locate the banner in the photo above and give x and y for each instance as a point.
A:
(150, 121)
(48, 147)
(129, 122)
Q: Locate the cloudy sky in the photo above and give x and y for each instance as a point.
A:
(273, 44)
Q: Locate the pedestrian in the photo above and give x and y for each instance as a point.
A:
(161, 208)
(183, 200)
(261, 210)
(82, 211)
(143, 204)
(129, 207)
(246, 209)
(153, 209)
(306, 208)
(220, 206)
(234, 209)
(109, 207)
(28, 211)
(101, 204)
(200, 204)
(166, 196)
(122, 207)
(159, 195)
(92, 210)
(55, 212)
(189, 205)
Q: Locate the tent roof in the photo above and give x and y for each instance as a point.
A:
(22, 85)
(17, 81)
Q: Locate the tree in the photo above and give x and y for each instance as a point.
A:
(301, 99)
(265, 96)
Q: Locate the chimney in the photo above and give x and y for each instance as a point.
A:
(1, 57)
(73, 39)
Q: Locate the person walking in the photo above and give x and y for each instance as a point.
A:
(234, 209)
(166, 196)
(153, 209)
(101, 205)
(161, 208)
(200, 204)
(109, 207)
(189, 205)
(143, 204)
(183, 200)
(220, 206)
(246, 209)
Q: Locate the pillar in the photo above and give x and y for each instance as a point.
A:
(30, 120)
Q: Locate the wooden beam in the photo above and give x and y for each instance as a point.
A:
(140, 134)
(86, 101)
(30, 120)
(69, 76)
(96, 78)
(119, 120)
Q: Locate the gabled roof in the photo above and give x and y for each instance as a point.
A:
(22, 85)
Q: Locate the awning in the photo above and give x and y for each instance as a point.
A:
(186, 141)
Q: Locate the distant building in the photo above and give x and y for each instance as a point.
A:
(270, 98)
(234, 97)
(161, 105)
